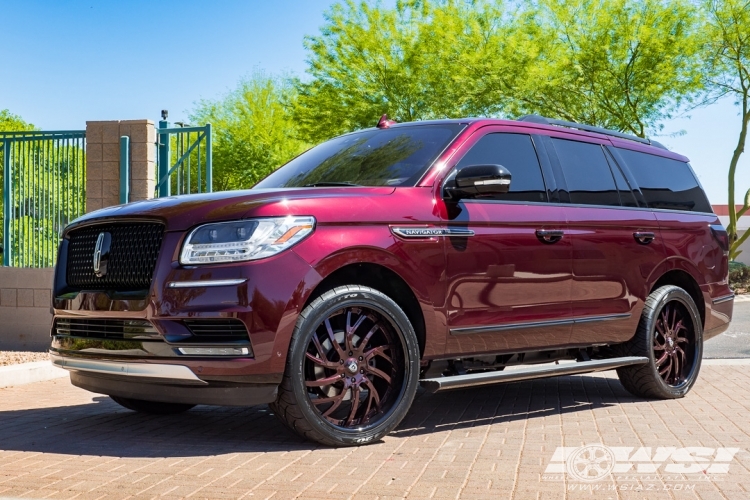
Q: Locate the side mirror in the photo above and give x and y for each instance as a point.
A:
(478, 180)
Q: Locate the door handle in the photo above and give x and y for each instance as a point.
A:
(549, 235)
(644, 238)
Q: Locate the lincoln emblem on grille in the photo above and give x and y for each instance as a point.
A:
(101, 254)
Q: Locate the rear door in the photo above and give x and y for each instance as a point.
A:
(616, 244)
(685, 218)
(509, 280)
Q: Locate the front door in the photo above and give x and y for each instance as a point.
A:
(509, 282)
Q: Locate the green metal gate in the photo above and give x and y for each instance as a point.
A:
(192, 170)
(43, 189)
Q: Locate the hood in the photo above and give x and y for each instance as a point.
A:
(182, 212)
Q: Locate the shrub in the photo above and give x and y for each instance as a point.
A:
(739, 274)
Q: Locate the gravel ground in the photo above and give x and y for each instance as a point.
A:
(18, 357)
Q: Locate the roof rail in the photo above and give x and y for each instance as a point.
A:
(588, 128)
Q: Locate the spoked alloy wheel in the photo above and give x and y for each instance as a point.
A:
(670, 335)
(674, 343)
(354, 370)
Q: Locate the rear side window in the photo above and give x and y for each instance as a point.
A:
(666, 183)
(516, 153)
(587, 173)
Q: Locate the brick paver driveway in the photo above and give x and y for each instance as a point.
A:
(61, 442)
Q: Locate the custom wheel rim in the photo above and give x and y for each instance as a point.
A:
(354, 368)
(674, 343)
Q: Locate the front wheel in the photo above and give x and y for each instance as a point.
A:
(352, 369)
(670, 335)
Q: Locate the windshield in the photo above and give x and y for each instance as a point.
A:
(375, 157)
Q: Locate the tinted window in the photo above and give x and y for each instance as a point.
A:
(666, 183)
(396, 156)
(626, 193)
(587, 173)
(516, 153)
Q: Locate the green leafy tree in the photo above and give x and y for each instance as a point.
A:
(8, 123)
(405, 61)
(13, 123)
(48, 193)
(48, 179)
(626, 65)
(254, 132)
(622, 64)
(729, 56)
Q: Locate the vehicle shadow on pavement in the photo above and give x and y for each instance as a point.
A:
(103, 428)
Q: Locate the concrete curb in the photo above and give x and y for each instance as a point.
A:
(27, 373)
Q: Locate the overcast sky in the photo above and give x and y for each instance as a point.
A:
(63, 63)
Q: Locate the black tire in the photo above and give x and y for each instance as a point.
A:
(673, 369)
(151, 407)
(312, 398)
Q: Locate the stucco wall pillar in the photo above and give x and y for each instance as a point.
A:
(103, 161)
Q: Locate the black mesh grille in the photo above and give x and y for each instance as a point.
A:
(216, 330)
(133, 252)
(119, 329)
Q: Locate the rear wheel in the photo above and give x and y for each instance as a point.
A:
(352, 369)
(152, 407)
(670, 335)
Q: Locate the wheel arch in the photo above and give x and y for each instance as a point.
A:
(685, 280)
(383, 279)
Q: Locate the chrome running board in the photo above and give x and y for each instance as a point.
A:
(528, 373)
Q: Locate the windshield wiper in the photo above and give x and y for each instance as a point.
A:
(330, 184)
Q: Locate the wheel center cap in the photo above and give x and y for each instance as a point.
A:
(352, 366)
(670, 341)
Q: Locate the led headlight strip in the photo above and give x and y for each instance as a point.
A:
(248, 239)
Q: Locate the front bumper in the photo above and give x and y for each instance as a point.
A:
(166, 383)
(264, 295)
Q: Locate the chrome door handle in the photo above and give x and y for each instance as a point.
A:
(549, 235)
(644, 238)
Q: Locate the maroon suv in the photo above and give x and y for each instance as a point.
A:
(449, 253)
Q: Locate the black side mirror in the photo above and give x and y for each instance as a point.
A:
(478, 180)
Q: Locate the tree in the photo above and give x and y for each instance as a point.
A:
(8, 123)
(13, 123)
(626, 65)
(254, 132)
(621, 64)
(48, 186)
(729, 55)
(405, 61)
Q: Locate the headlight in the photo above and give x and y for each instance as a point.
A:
(248, 239)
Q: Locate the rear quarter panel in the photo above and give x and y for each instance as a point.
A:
(690, 246)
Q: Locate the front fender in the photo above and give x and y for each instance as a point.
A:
(420, 264)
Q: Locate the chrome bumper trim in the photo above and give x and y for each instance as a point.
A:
(725, 298)
(193, 284)
(134, 370)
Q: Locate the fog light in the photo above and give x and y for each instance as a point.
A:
(215, 351)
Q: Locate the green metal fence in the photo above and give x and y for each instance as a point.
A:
(43, 189)
(191, 171)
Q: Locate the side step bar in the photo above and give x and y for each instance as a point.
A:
(527, 373)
